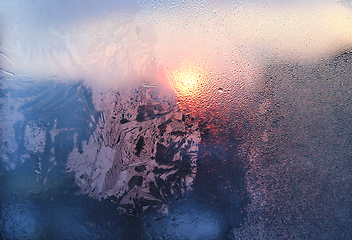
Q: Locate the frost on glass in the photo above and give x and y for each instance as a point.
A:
(143, 152)
(175, 120)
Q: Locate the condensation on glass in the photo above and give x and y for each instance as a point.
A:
(175, 120)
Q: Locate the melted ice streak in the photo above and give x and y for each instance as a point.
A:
(144, 148)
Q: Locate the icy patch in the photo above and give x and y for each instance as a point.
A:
(9, 115)
(143, 152)
(34, 138)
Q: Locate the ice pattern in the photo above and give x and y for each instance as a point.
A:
(143, 152)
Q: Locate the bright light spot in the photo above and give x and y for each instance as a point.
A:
(186, 80)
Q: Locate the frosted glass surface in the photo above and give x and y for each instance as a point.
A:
(175, 119)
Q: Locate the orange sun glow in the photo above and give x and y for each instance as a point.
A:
(186, 80)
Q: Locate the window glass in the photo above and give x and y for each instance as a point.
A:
(175, 119)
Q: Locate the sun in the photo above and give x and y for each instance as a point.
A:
(186, 80)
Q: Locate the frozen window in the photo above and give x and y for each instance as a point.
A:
(175, 119)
